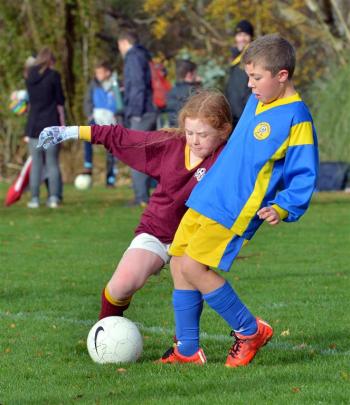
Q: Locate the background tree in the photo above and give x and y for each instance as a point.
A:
(82, 31)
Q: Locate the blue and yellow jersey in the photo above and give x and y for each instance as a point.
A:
(270, 159)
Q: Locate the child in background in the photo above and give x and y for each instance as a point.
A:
(187, 82)
(267, 172)
(178, 160)
(100, 107)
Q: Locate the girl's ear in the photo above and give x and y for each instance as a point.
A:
(226, 132)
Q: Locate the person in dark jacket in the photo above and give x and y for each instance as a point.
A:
(237, 91)
(46, 101)
(187, 82)
(139, 111)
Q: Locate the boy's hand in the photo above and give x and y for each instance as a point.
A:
(54, 135)
(270, 215)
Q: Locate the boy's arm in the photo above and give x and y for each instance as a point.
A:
(300, 172)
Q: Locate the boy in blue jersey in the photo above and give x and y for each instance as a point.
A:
(267, 172)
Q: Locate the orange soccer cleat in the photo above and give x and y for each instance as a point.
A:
(173, 356)
(245, 348)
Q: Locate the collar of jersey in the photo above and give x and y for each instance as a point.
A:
(260, 108)
(187, 159)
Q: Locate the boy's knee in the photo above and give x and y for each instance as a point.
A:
(178, 268)
(175, 266)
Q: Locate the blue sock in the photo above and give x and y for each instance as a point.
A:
(227, 304)
(188, 305)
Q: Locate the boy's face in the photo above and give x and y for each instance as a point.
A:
(267, 88)
(201, 137)
(123, 46)
(102, 74)
(192, 77)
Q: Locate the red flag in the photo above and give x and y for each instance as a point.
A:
(16, 189)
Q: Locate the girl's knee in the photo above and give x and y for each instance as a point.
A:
(126, 283)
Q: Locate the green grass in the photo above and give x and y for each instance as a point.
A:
(54, 264)
(330, 105)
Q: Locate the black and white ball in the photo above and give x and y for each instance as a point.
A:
(114, 340)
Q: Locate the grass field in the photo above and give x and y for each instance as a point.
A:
(54, 264)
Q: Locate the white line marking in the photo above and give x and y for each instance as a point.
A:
(158, 330)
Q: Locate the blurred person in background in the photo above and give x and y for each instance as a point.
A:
(187, 82)
(237, 90)
(46, 101)
(100, 108)
(139, 111)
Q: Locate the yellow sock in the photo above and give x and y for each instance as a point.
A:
(116, 302)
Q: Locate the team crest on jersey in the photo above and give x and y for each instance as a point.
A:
(262, 131)
(200, 173)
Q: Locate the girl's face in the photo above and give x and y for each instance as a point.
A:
(201, 138)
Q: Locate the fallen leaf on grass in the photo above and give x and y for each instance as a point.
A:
(295, 389)
(79, 396)
(285, 332)
(302, 346)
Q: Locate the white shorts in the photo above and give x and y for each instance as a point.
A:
(152, 244)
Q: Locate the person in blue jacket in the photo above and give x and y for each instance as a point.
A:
(139, 111)
(267, 172)
(100, 108)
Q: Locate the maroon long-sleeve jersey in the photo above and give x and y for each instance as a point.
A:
(165, 157)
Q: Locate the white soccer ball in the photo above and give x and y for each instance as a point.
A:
(114, 339)
(83, 181)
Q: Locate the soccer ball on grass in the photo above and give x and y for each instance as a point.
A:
(114, 339)
(83, 181)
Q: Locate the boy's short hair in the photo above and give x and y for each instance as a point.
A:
(273, 52)
(104, 65)
(129, 36)
(184, 66)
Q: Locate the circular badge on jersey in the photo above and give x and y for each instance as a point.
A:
(262, 131)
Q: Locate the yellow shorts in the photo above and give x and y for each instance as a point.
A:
(206, 241)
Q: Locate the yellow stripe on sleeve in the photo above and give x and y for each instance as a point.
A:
(85, 133)
(281, 212)
(301, 134)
